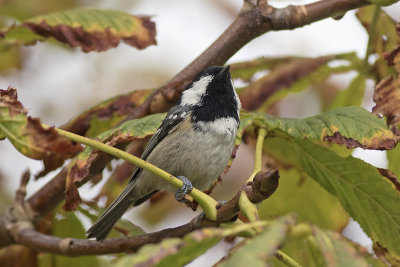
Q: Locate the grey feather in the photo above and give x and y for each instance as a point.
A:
(104, 224)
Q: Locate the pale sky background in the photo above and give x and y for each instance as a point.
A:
(57, 84)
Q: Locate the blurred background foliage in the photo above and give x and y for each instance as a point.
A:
(333, 63)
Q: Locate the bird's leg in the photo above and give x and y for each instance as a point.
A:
(185, 189)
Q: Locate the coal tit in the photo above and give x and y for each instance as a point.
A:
(194, 143)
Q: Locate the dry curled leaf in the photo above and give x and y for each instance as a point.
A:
(91, 29)
(283, 76)
(79, 170)
(391, 177)
(376, 142)
(29, 136)
(387, 99)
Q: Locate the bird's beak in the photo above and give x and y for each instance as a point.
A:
(224, 72)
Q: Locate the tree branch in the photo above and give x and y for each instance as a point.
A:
(265, 183)
(255, 19)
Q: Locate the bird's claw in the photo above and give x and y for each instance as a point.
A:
(185, 189)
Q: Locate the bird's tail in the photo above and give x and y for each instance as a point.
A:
(103, 225)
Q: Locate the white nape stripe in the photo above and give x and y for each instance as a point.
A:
(236, 97)
(220, 126)
(193, 95)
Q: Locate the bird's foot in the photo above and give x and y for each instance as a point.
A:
(185, 189)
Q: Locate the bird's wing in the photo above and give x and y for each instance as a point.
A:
(175, 116)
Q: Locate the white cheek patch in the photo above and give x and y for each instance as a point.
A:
(193, 95)
(220, 126)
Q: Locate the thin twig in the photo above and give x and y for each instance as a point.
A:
(286, 259)
(21, 192)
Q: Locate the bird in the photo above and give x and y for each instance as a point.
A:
(194, 143)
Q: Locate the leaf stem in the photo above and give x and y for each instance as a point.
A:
(246, 206)
(207, 203)
(286, 259)
(262, 132)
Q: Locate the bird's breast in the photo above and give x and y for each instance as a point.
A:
(198, 152)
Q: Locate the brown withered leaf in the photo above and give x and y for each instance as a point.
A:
(393, 58)
(9, 99)
(387, 92)
(105, 115)
(387, 99)
(376, 143)
(106, 111)
(95, 29)
(383, 254)
(29, 136)
(283, 76)
(391, 177)
(79, 170)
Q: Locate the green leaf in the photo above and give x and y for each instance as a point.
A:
(334, 250)
(246, 120)
(67, 225)
(122, 228)
(351, 126)
(132, 129)
(181, 251)
(316, 206)
(21, 9)
(371, 199)
(90, 29)
(98, 126)
(328, 250)
(174, 251)
(394, 160)
(256, 251)
(19, 35)
(352, 95)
